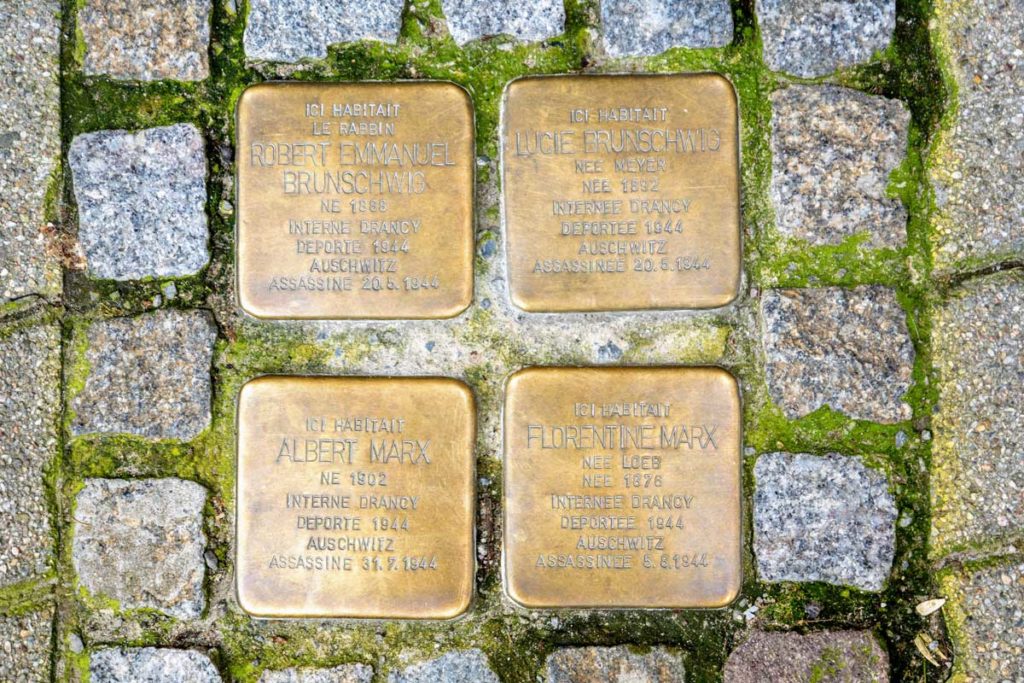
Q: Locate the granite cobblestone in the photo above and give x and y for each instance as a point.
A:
(146, 40)
(978, 350)
(833, 150)
(151, 665)
(823, 518)
(848, 349)
(812, 38)
(29, 410)
(470, 20)
(141, 542)
(141, 200)
(649, 27)
(293, 30)
(149, 376)
(30, 254)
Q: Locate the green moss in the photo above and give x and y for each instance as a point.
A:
(26, 597)
(698, 341)
(25, 313)
(828, 666)
(76, 664)
(76, 366)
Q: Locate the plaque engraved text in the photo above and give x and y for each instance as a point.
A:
(622, 488)
(621, 192)
(355, 200)
(355, 497)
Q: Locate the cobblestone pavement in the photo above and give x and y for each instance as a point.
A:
(877, 339)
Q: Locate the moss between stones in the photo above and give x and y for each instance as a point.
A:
(26, 597)
(515, 642)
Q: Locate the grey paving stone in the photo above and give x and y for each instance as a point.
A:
(151, 665)
(812, 38)
(346, 673)
(988, 609)
(141, 542)
(649, 27)
(978, 165)
(978, 447)
(148, 40)
(29, 411)
(832, 152)
(25, 647)
(291, 30)
(823, 518)
(826, 656)
(141, 201)
(463, 666)
(149, 376)
(29, 130)
(527, 21)
(848, 349)
(586, 664)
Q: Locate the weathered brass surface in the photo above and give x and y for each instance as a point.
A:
(621, 192)
(622, 488)
(355, 200)
(355, 497)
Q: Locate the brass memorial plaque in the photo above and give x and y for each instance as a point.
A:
(622, 488)
(621, 192)
(355, 200)
(355, 497)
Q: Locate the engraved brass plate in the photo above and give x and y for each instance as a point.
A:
(355, 497)
(621, 192)
(622, 488)
(355, 200)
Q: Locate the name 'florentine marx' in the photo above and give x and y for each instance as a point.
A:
(621, 437)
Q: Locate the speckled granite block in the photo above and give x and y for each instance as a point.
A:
(146, 40)
(587, 664)
(987, 608)
(832, 152)
(141, 542)
(149, 375)
(823, 518)
(291, 30)
(346, 673)
(832, 656)
(151, 665)
(29, 411)
(463, 666)
(649, 27)
(25, 643)
(527, 21)
(845, 348)
(812, 38)
(978, 450)
(141, 200)
(978, 165)
(29, 129)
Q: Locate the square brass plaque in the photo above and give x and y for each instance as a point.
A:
(355, 200)
(622, 488)
(621, 192)
(355, 497)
